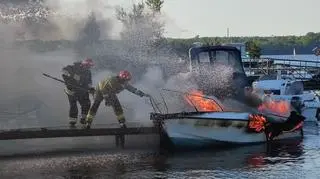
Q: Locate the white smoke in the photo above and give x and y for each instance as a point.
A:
(22, 68)
(22, 83)
(23, 86)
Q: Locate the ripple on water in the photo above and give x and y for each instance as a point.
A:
(294, 159)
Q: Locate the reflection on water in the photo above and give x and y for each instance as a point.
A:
(290, 159)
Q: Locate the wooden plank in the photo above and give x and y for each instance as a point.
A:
(33, 133)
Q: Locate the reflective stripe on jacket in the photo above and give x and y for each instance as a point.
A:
(114, 85)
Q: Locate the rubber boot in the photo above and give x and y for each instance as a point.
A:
(72, 122)
(122, 121)
(120, 138)
(88, 125)
(83, 119)
(89, 120)
(123, 125)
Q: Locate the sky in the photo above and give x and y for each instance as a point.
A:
(188, 18)
(243, 17)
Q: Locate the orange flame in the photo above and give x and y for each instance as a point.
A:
(256, 160)
(279, 107)
(196, 98)
(257, 122)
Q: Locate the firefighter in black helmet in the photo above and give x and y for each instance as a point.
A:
(78, 82)
(107, 90)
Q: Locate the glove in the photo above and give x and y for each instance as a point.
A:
(140, 93)
(91, 90)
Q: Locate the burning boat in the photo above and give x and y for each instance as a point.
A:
(212, 123)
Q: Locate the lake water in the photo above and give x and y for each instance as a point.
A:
(293, 160)
(95, 158)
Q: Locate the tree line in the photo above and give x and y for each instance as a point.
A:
(275, 45)
(143, 29)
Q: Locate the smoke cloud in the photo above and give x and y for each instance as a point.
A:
(23, 87)
(28, 99)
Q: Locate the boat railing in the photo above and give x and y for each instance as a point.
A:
(301, 69)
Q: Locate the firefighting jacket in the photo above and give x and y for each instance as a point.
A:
(115, 85)
(76, 76)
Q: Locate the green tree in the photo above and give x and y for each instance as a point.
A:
(141, 28)
(253, 49)
(91, 31)
(88, 36)
(155, 5)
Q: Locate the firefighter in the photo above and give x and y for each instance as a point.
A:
(107, 90)
(78, 82)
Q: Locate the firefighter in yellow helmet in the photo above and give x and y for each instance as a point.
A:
(107, 90)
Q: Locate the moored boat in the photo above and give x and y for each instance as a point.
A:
(200, 129)
(215, 123)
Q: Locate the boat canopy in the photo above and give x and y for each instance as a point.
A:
(216, 55)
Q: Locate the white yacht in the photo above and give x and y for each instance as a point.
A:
(279, 87)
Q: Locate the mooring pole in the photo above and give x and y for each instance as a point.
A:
(120, 140)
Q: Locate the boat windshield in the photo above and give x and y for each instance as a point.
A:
(220, 57)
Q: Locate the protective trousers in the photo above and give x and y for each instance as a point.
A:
(110, 100)
(84, 100)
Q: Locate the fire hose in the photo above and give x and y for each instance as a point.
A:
(57, 79)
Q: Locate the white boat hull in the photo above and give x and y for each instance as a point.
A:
(310, 114)
(311, 105)
(199, 132)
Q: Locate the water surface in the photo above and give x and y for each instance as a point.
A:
(291, 159)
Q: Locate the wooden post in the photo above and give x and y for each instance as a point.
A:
(117, 140)
(120, 140)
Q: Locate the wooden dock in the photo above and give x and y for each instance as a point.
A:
(65, 131)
